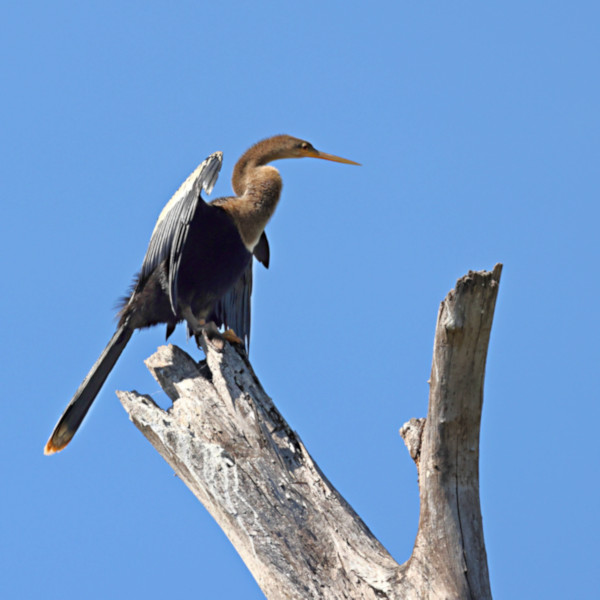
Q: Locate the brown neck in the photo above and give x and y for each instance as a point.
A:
(258, 155)
(258, 188)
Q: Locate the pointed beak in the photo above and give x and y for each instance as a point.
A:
(316, 154)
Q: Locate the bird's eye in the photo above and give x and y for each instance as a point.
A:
(305, 145)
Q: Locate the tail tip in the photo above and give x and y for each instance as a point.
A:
(52, 448)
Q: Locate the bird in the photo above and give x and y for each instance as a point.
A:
(198, 265)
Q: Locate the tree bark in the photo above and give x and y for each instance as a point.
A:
(300, 539)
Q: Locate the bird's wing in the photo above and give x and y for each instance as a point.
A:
(170, 232)
(261, 250)
(233, 310)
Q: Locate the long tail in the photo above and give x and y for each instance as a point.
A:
(75, 412)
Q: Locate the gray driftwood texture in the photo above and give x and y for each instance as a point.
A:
(300, 539)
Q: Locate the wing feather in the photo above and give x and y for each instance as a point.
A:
(234, 309)
(170, 232)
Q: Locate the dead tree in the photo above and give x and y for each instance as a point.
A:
(226, 440)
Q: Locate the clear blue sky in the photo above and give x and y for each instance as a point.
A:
(478, 128)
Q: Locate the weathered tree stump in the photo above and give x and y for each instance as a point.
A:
(226, 440)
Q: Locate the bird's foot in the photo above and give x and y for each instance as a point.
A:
(212, 335)
(232, 338)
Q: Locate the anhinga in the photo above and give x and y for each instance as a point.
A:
(198, 264)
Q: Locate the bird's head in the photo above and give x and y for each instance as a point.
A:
(286, 146)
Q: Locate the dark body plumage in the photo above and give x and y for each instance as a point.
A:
(198, 266)
(223, 257)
